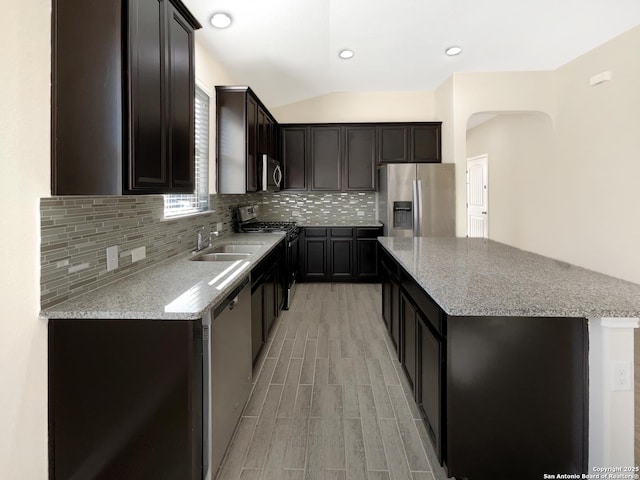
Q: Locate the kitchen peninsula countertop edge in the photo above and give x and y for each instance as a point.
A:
(480, 277)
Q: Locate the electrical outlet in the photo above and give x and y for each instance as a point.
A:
(360, 213)
(219, 227)
(621, 376)
(295, 213)
(138, 254)
(112, 258)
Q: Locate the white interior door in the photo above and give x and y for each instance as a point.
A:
(478, 196)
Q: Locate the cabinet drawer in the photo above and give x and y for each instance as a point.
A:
(315, 232)
(368, 232)
(342, 232)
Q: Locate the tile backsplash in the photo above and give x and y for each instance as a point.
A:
(76, 231)
(319, 207)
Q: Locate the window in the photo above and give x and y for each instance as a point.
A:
(184, 204)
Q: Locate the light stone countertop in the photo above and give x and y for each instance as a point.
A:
(172, 289)
(478, 277)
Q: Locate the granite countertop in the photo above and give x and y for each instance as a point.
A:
(478, 277)
(173, 289)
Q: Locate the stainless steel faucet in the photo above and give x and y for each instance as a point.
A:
(205, 241)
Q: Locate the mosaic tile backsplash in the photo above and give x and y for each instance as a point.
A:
(75, 231)
(322, 208)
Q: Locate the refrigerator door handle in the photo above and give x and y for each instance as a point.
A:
(416, 208)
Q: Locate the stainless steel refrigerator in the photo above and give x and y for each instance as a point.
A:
(417, 199)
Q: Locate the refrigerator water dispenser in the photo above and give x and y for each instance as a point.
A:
(403, 215)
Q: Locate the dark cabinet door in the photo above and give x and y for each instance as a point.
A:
(385, 280)
(425, 144)
(294, 154)
(429, 388)
(263, 142)
(181, 95)
(395, 314)
(148, 168)
(408, 339)
(122, 103)
(325, 158)
(341, 259)
(269, 300)
(272, 132)
(316, 258)
(392, 144)
(359, 159)
(252, 144)
(367, 253)
(367, 259)
(257, 325)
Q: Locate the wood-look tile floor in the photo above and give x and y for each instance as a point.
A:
(329, 401)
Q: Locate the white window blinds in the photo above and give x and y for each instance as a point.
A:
(184, 204)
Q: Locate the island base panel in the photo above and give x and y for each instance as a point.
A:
(516, 397)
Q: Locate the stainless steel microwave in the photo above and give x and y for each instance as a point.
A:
(271, 174)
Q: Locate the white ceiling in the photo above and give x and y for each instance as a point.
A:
(287, 50)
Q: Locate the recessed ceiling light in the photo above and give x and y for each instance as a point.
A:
(346, 54)
(221, 20)
(453, 51)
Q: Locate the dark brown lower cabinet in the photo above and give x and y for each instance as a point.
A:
(339, 254)
(267, 292)
(408, 339)
(257, 320)
(315, 255)
(497, 395)
(125, 399)
(429, 388)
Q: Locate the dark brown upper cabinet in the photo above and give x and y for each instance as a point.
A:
(409, 142)
(359, 159)
(393, 144)
(329, 157)
(294, 165)
(122, 97)
(325, 157)
(245, 131)
(267, 133)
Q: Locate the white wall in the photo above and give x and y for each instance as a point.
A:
(597, 133)
(587, 209)
(491, 92)
(522, 182)
(25, 36)
(360, 107)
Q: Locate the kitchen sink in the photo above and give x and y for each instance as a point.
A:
(220, 257)
(246, 248)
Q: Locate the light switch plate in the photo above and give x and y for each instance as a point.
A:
(138, 254)
(112, 258)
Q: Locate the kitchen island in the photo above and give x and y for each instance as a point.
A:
(510, 356)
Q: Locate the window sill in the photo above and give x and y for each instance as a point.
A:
(187, 215)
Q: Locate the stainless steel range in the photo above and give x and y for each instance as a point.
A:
(248, 223)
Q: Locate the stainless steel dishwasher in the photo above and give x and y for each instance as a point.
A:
(230, 369)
